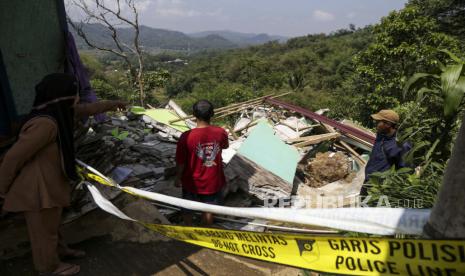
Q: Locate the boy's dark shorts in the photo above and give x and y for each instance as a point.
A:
(214, 199)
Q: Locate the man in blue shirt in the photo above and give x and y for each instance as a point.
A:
(386, 152)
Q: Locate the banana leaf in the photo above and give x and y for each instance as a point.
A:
(413, 80)
(454, 97)
(450, 77)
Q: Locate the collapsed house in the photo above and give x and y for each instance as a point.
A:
(275, 152)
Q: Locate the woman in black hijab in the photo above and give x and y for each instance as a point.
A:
(36, 171)
(56, 96)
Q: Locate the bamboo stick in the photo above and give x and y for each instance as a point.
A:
(357, 157)
(224, 109)
(247, 106)
(233, 134)
(221, 109)
(251, 101)
(237, 107)
(251, 124)
(241, 103)
(234, 111)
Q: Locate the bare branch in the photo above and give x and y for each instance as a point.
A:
(117, 13)
(82, 34)
(110, 18)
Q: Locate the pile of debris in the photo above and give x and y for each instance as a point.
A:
(279, 150)
(275, 151)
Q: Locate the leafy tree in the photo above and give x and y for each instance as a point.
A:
(450, 15)
(405, 42)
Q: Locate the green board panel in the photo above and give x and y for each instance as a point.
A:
(163, 116)
(32, 44)
(266, 149)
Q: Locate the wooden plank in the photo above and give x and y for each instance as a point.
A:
(358, 140)
(357, 156)
(315, 139)
(258, 180)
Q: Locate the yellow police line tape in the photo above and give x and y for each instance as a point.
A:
(340, 255)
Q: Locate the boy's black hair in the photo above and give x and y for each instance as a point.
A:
(203, 110)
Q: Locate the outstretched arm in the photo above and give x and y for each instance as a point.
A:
(89, 109)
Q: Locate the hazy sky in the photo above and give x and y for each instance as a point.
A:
(282, 17)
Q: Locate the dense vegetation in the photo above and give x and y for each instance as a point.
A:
(353, 72)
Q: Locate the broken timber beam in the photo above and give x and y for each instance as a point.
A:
(357, 156)
(315, 139)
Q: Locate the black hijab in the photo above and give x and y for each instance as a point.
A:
(55, 97)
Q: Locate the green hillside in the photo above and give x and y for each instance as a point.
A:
(152, 39)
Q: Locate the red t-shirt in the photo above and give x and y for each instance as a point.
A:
(199, 149)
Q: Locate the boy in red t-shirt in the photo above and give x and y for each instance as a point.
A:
(199, 162)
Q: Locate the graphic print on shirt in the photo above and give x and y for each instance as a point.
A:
(207, 152)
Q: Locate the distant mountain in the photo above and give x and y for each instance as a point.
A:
(242, 39)
(153, 39)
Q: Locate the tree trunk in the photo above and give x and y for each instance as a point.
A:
(447, 218)
(140, 81)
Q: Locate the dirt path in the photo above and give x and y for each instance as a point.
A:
(106, 257)
(117, 247)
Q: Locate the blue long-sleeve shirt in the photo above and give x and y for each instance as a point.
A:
(386, 153)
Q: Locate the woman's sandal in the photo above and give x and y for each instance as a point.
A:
(64, 269)
(73, 254)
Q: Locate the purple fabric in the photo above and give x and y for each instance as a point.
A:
(75, 67)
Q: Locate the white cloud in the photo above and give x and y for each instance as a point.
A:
(323, 16)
